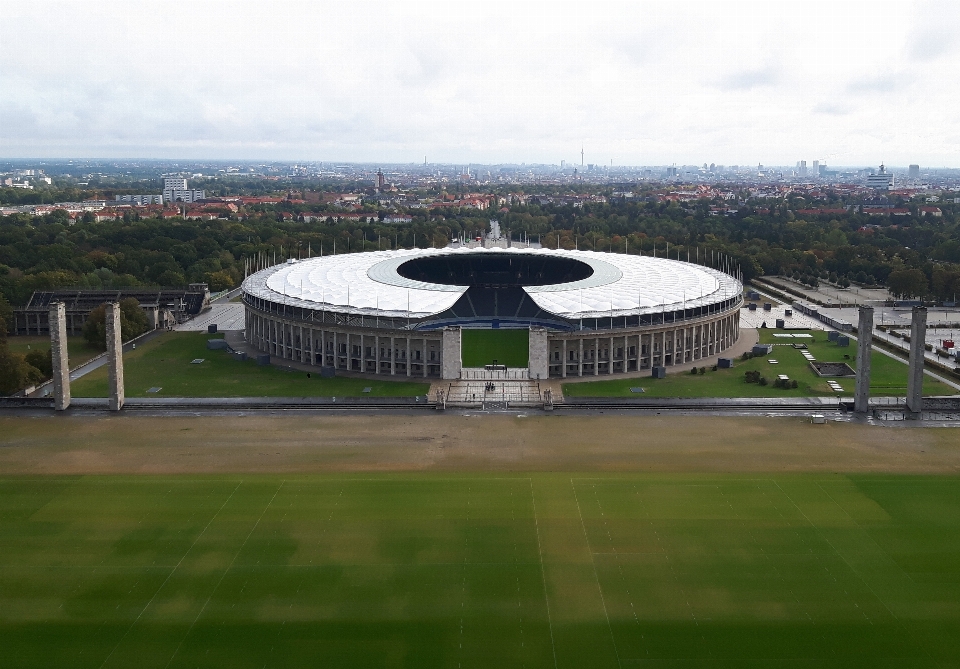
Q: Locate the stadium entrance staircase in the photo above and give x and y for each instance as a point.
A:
(494, 389)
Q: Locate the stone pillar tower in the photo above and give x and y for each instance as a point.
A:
(114, 356)
(861, 400)
(918, 338)
(538, 366)
(451, 361)
(58, 351)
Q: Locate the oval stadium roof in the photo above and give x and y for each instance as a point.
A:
(368, 283)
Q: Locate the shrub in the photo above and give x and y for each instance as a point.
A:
(794, 384)
(693, 370)
(41, 359)
(762, 381)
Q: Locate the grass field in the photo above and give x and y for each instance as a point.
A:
(507, 347)
(888, 376)
(165, 363)
(480, 570)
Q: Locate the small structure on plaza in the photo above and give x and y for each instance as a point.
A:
(832, 368)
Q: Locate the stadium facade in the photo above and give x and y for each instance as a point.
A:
(401, 312)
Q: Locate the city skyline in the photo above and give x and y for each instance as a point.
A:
(846, 84)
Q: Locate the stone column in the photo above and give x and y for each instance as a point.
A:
(580, 358)
(114, 356)
(407, 359)
(563, 354)
(861, 400)
(918, 337)
(596, 356)
(393, 356)
(450, 353)
(538, 365)
(58, 351)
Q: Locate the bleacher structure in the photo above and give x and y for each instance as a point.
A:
(163, 306)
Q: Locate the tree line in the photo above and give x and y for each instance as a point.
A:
(913, 255)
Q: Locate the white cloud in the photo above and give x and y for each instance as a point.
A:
(636, 82)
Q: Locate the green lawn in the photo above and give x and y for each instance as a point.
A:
(77, 347)
(507, 347)
(887, 376)
(425, 570)
(165, 362)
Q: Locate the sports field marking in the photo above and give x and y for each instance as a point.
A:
(225, 572)
(596, 576)
(182, 558)
(623, 583)
(853, 569)
(864, 581)
(543, 576)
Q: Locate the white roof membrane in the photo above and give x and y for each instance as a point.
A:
(364, 283)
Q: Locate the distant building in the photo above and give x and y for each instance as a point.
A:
(914, 172)
(880, 180)
(174, 184)
(816, 168)
(140, 200)
(176, 190)
(803, 168)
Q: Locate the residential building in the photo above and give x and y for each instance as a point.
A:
(140, 200)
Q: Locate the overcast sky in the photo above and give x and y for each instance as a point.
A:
(769, 82)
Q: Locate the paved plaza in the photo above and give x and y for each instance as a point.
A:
(225, 315)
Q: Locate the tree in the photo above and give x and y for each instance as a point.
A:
(908, 283)
(133, 323)
(41, 359)
(15, 371)
(6, 315)
(221, 280)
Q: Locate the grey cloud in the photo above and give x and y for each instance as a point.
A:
(831, 109)
(884, 83)
(746, 80)
(936, 34)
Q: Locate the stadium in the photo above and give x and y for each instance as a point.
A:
(404, 312)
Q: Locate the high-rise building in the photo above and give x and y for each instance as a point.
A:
(803, 168)
(816, 168)
(914, 172)
(175, 190)
(880, 180)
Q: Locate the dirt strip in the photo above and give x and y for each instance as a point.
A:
(156, 445)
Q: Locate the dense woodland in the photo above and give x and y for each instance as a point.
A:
(914, 255)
